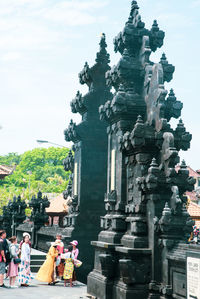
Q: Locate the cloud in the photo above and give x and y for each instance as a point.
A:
(196, 3)
(74, 13)
(36, 24)
(176, 19)
(11, 56)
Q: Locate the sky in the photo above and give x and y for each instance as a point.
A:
(45, 43)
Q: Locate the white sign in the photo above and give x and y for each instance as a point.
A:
(193, 278)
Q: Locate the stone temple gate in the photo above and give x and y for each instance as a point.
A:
(125, 148)
(141, 250)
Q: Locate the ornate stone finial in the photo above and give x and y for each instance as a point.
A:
(134, 7)
(71, 133)
(77, 104)
(172, 106)
(39, 194)
(172, 95)
(126, 54)
(183, 164)
(69, 162)
(121, 87)
(155, 26)
(166, 210)
(153, 163)
(181, 122)
(163, 59)
(168, 68)
(102, 55)
(130, 20)
(180, 126)
(139, 119)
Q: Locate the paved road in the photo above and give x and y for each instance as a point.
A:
(38, 290)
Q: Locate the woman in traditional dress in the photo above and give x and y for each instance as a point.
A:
(25, 275)
(75, 252)
(69, 265)
(60, 263)
(46, 272)
(13, 267)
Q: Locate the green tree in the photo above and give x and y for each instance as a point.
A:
(38, 169)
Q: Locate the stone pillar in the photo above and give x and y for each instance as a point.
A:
(87, 184)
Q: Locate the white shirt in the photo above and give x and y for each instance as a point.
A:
(25, 252)
(67, 255)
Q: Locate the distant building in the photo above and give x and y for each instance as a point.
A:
(5, 170)
(194, 211)
(57, 210)
(194, 196)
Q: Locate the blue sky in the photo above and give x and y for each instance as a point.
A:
(45, 43)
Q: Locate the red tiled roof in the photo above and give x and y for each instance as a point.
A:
(192, 172)
(194, 210)
(191, 195)
(57, 206)
(6, 170)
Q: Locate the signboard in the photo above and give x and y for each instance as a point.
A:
(193, 275)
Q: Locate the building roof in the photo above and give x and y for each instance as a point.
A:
(57, 206)
(192, 196)
(5, 170)
(194, 210)
(192, 172)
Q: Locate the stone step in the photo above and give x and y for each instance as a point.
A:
(38, 257)
(35, 268)
(37, 262)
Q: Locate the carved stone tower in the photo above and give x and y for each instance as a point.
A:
(88, 165)
(146, 215)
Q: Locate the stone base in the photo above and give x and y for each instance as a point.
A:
(124, 291)
(103, 288)
(99, 286)
(110, 237)
(134, 242)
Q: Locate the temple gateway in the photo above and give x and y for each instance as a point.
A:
(142, 249)
(125, 195)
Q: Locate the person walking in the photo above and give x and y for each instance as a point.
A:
(46, 272)
(25, 275)
(69, 265)
(2, 258)
(13, 265)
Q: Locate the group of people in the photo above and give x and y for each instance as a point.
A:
(60, 263)
(15, 260)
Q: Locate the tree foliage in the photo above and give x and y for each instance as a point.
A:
(38, 169)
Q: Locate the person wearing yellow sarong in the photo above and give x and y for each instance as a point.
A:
(46, 271)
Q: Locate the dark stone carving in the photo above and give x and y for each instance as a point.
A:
(146, 215)
(38, 205)
(87, 183)
(13, 215)
(69, 162)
